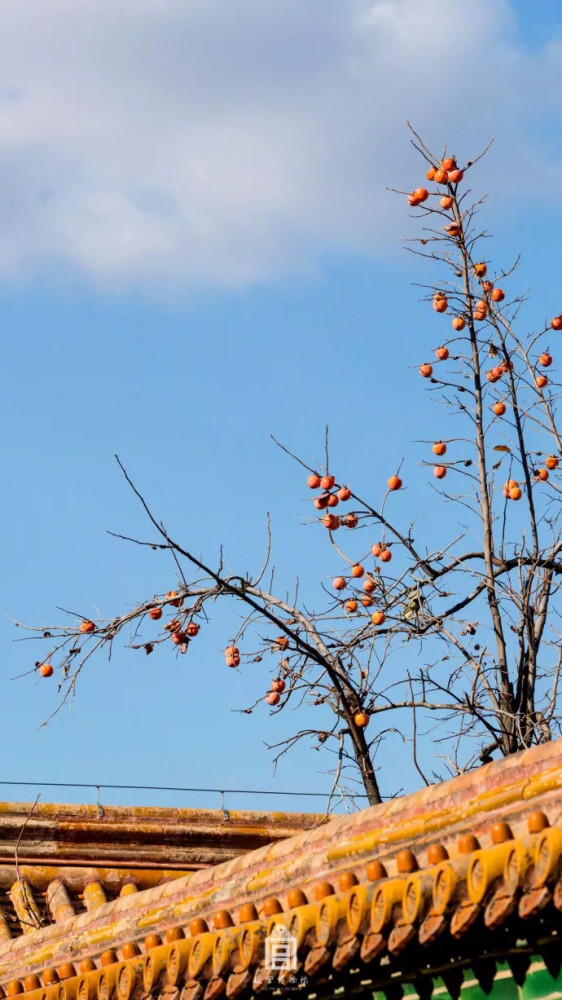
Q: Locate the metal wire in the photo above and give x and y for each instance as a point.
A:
(171, 788)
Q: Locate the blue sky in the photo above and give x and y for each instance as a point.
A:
(197, 250)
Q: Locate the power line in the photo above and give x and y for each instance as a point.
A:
(170, 788)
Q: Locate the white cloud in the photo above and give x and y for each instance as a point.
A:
(170, 142)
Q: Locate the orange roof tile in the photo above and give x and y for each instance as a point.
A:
(421, 882)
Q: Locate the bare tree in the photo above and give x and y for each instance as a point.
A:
(484, 620)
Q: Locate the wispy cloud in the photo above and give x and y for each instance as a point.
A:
(156, 143)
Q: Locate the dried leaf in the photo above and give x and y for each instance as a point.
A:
(502, 447)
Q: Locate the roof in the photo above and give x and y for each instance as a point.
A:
(118, 846)
(465, 875)
(144, 837)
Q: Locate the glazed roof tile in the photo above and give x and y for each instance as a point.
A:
(435, 879)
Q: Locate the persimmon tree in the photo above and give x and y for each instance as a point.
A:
(483, 619)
